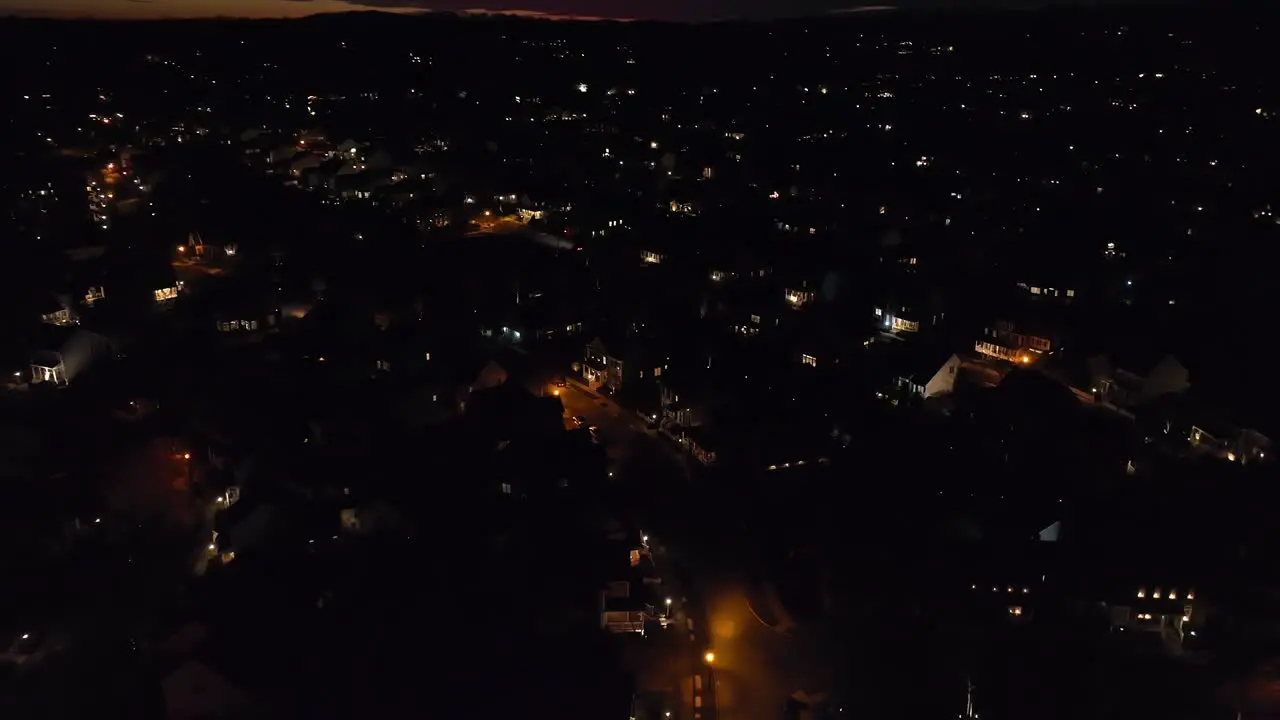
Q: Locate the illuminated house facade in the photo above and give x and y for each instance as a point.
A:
(898, 317)
(1005, 341)
(601, 367)
(58, 315)
(799, 297)
(1164, 609)
(61, 353)
(1048, 293)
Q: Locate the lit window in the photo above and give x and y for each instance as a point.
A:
(1142, 592)
(657, 372)
(1015, 610)
(1156, 594)
(1035, 290)
(1191, 594)
(506, 488)
(1071, 293)
(428, 357)
(1173, 594)
(809, 360)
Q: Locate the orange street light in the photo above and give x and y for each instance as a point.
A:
(182, 248)
(555, 392)
(186, 456)
(710, 657)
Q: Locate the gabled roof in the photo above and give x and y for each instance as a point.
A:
(919, 362)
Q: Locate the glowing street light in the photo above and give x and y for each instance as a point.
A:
(186, 456)
(710, 657)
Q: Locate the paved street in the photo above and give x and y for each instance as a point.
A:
(757, 665)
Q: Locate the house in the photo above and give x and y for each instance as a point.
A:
(925, 371)
(1164, 608)
(798, 297)
(194, 248)
(824, 343)
(1207, 427)
(1129, 379)
(542, 318)
(57, 313)
(895, 317)
(59, 353)
(611, 366)
(245, 316)
(1044, 292)
(1005, 340)
(165, 288)
(1231, 443)
(94, 293)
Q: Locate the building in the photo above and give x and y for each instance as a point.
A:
(1007, 341)
(1165, 609)
(1045, 292)
(60, 354)
(896, 317)
(1127, 380)
(618, 364)
(926, 372)
(799, 297)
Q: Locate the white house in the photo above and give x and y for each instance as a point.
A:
(928, 374)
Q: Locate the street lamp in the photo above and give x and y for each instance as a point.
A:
(710, 657)
(668, 607)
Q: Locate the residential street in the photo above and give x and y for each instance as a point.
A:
(760, 658)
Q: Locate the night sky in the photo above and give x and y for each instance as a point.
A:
(619, 9)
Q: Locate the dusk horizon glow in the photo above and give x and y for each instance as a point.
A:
(614, 10)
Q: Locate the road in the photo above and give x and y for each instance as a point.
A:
(760, 656)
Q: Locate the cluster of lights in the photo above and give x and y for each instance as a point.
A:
(1173, 594)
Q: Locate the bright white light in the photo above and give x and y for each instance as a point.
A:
(582, 87)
